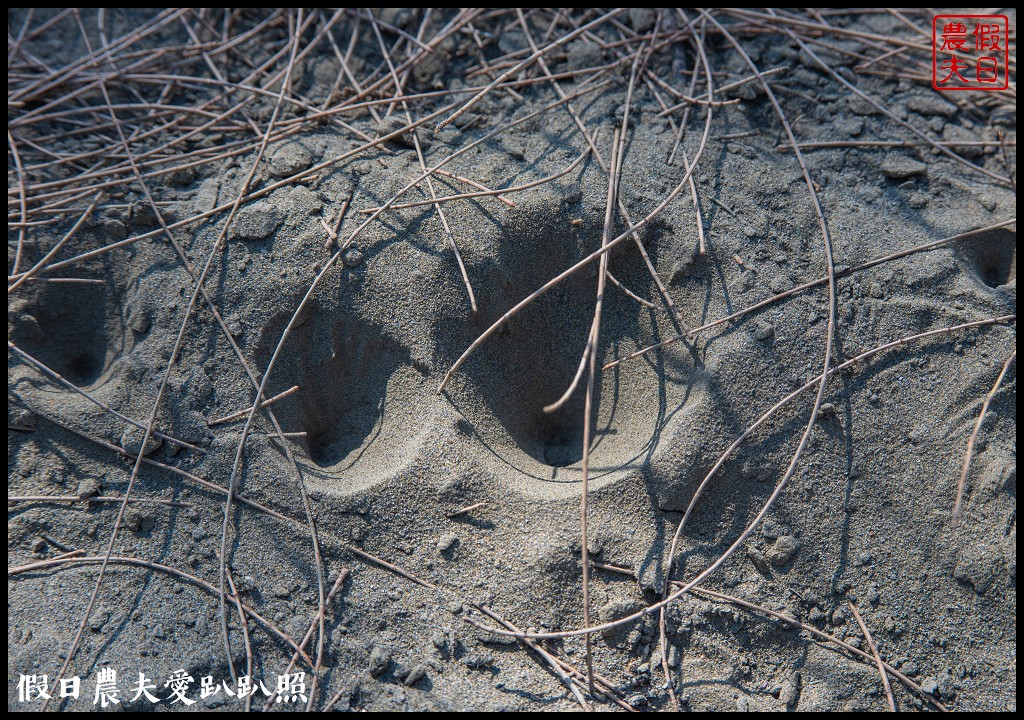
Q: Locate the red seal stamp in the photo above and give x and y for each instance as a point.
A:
(970, 52)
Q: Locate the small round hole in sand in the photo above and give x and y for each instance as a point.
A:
(72, 328)
(991, 257)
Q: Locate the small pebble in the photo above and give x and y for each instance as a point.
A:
(764, 332)
(478, 661)
(98, 619)
(353, 258)
(899, 167)
(782, 550)
(759, 560)
(88, 486)
(931, 104)
(289, 159)
(255, 222)
(446, 543)
(131, 441)
(918, 201)
(417, 673)
(380, 661)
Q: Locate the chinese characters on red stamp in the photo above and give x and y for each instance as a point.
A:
(970, 52)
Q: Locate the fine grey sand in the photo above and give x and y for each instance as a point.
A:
(377, 312)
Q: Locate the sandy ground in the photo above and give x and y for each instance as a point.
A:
(376, 318)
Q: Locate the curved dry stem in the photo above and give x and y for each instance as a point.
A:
(969, 453)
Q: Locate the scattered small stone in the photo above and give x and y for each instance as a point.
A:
(1005, 116)
(930, 685)
(255, 222)
(839, 616)
(616, 610)
(850, 126)
(930, 104)
(139, 317)
(305, 200)
(141, 214)
(782, 550)
(947, 689)
(961, 139)
(380, 661)
(764, 332)
(393, 124)
(642, 19)
(860, 106)
(289, 159)
(759, 560)
(771, 527)
(88, 487)
(139, 521)
(790, 691)
(417, 673)
(478, 661)
(98, 619)
(910, 668)
(900, 167)
(918, 200)
(181, 176)
(353, 258)
(987, 202)
(447, 543)
(977, 567)
(131, 441)
(234, 324)
(206, 196)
